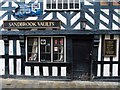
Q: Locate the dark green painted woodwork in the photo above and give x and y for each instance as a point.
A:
(22, 45)
(6, 44)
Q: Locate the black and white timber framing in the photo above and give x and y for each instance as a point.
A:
(102, 24)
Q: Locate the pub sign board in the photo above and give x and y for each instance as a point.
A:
(110, 47)
(31, 24)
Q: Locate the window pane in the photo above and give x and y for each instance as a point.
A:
(77, 1)
(77, 4)
(48, 1)
(65, 4)
(45, 49)
(71, 1)
(59, 4)
(53, 4)
(71, 5)
(32, 48)
(58, 49)
(48, 4)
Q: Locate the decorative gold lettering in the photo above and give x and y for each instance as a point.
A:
(10, 24)
(42, 24)
(52, 23)
(36, 24)
(45, 24)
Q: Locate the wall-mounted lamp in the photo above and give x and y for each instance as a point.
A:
(83, 23)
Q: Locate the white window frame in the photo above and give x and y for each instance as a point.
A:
(64, 54)
(56, 9)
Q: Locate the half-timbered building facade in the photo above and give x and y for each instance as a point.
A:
(59, 47)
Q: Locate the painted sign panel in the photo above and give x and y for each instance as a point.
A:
(110, 48)
(24, 10)
(31, 24)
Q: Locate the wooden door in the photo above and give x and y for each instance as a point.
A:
(81, 59)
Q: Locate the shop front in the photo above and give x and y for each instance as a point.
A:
(48, 52)
(75, 50)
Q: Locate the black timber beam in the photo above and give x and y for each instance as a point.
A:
(58, 32)
(6, 49)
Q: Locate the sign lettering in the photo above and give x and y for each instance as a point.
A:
(31, 24)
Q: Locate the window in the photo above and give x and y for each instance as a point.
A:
(45, 49)
(48, 4)
(65, 4)
(58, 49)
(32, 49)
(62, 4)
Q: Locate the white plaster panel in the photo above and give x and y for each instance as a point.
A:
(115, 18)
(27, 1)
(114, 26)
(31, 18)
(103, 18)
(2, 12)
(62, 18)
(14, 4)
(102, 26)
(106, 11)
(115, 70)
(63, 71)
(48, 17)
(86, 2)
(54, 71)
(99, 49)
(75, 18)
(36, 71)
(89, 18)
(10, 47)
(92, 10)
(5, 5)
(2, 66)
(45, 71)
(27, 70)
(98, 70)
(116, 58)
(106, 70)
(18, 67)
(13, 18)
(77, 26)
(87, 27)
(2, 47)
(18, 48)
(11, 66)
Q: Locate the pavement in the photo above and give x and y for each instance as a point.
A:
(31, 83)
